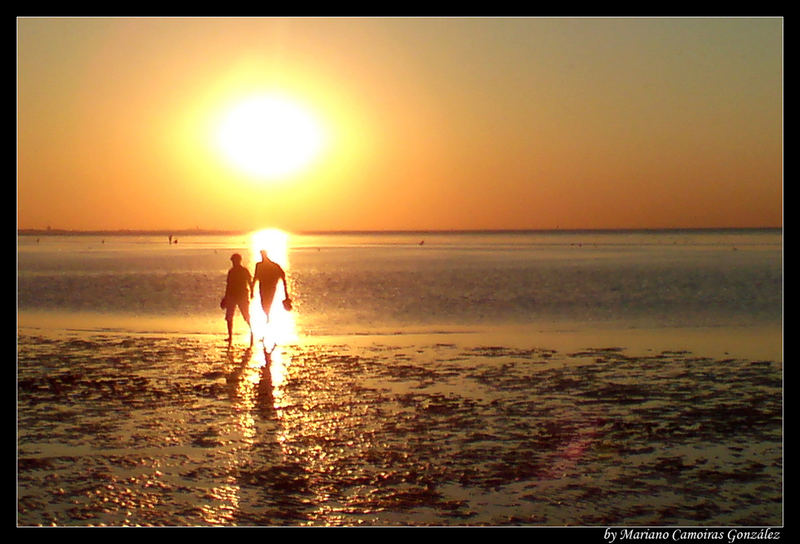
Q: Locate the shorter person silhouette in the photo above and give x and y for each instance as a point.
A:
(237, 293)
(268, 274)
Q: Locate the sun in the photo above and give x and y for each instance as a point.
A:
(269, 136)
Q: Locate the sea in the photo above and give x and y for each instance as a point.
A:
(492, 378)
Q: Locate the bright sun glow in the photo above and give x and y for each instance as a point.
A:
(270, 136)
(281, 326)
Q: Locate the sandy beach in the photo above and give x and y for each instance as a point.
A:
(443, 430)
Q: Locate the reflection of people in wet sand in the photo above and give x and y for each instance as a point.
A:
(237, 293)
(237, 380)
(268, 273)
(264, 398)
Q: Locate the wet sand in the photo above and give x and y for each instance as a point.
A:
(180, 430)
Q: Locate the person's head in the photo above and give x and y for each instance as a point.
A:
(264, 255)
(236, 259)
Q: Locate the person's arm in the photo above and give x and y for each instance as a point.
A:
(227, 283)
(253, 282)
(285, 284)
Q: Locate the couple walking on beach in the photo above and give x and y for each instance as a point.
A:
(240, 288)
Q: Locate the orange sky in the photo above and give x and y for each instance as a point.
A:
(435, 123)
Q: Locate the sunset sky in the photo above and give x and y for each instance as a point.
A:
(417, 123)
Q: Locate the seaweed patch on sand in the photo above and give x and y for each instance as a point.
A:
(123, 430)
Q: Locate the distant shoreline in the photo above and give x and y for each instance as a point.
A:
(198, 232)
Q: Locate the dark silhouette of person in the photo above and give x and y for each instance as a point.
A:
(268, 274)
(237, 293)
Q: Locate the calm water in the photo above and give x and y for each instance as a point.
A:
(363, 283)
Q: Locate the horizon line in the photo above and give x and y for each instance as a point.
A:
(206, 232)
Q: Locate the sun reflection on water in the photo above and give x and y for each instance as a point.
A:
(228, 496)
(256, 380)
(293, 432)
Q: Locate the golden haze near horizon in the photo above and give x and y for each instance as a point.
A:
(399, 124)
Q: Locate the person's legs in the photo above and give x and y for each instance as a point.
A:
(267, 295)
(230, 309)
(244, 307)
